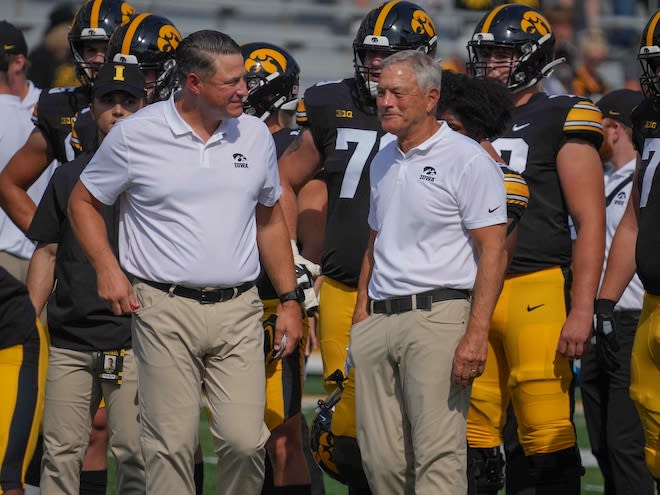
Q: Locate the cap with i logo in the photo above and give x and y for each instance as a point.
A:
(115, 76)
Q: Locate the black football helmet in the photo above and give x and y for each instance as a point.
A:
(95, 21)
(519, 31)
(150, 41)
(649, 57)
(390, 28)
(272, 77)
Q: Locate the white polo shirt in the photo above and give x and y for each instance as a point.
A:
(15, 128)
(187, 208)
(632, 297)
(423, 204)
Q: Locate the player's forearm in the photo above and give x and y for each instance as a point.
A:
(621, 265)
(275, 248)
(588, 256)
(41, 275)
(289, 205)
(17, 204)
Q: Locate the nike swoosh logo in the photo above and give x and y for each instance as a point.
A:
(491, 210)
(517, 127)
(532, 308)
(8, 47)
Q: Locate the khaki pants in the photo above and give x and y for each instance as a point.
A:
(182, 346)
(73, 393)
(18, 267)
(410, 417)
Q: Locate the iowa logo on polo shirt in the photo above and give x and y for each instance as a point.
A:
(428, 174)
(240, 161)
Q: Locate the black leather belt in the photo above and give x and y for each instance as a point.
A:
(422, 301)
(204, 296)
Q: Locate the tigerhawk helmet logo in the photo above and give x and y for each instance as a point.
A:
(127, 12)
(168, 38)
(422, 23)
(532, 22)
(266, 59)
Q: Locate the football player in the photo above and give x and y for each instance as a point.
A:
(147, 40)
(342, 136)
(272, 77)
(57, 108)
(635, 249)
(537, 327)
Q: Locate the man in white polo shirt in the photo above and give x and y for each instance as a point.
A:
(199, 194)
(430, 279)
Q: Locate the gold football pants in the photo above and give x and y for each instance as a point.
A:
(284, 378)
(645, 379)
(524, 367)
(336, 306)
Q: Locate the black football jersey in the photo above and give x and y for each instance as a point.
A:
(283, 138)
(55, 113)
(530, 146)
(347, 138)
(646, 136)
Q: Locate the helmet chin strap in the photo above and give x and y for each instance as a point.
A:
(373, 88)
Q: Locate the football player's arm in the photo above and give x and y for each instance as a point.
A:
(84, 214)
(24, 168)
(581, 177)
(361, 311)
(41, 274)
(297, 165)
(277, 260)
(470, 355)
(621, 264)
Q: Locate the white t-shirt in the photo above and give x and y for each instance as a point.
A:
(423, 204)
(15, 128)
(632, 297)
(187, 208)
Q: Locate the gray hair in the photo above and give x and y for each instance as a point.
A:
(427, 71)
(196, 52)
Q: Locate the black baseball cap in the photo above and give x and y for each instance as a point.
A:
(115, 76)
(619, 105)
(12, 40)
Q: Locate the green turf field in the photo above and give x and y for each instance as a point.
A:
(592, 482)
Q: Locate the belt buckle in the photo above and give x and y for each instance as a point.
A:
(207, 296)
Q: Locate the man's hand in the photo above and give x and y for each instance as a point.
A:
(575, 334)
(470, 357)
(305, 281)
(116, 291)
(288, 328)
(605, 340)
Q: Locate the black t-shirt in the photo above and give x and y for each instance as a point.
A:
(646, 136)
(347, 136)
(283, 138)
(77, 318)
(530, 146)
(17, 317)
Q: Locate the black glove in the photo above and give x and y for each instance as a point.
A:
(605, 340)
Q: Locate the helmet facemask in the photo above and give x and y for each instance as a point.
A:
(649, 58)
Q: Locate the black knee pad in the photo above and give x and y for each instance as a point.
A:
(558, 471)
(485, 470)
(349, 463)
